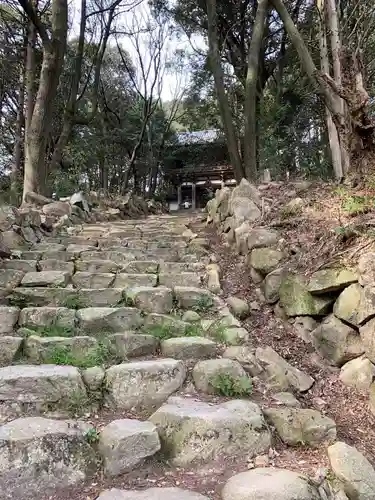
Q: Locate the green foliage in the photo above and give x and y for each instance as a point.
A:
(74, 302)
(102, 354)
(218, 333)
(53, 331)
(204, 303)
(229, 386)
(194, 331)
(354, 205)
(92, 436)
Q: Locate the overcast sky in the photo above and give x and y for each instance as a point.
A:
(172, 80)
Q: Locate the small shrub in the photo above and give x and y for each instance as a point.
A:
(203, 304)
(92, 436)
(340, 191)
(102, 354)
(162, 332)
(354, 205)
(229, 386)
(53, 331)
(193, 331)
(74, 302)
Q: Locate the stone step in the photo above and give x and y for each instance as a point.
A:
(235, 428)
(41, 444)
(126, 280)
(104, 319)
(41, 384)
(19, 265)
(181, 279)
(143, 384)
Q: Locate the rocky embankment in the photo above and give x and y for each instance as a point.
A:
(126, 376)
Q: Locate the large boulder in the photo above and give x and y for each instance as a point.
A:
(188, 348)
(269, 484)
(331, 280)
(143, 383)
(40, 456)
(296, 300)
(151, 300)
(124, 444)
(366, 269)
(261, 237)
(366, 308)
(244, 209)
(367, 333)
(240, 308)
(104, 319)
(240, 235)
(9, 216)
(132, 345)
(246, 190)
(278, 370)
(57, 209)
(9, 347)
(193, 431)
(337, 342)
(47, 316)
(358, 373)
(270, 286)
(8, 319)
(347, 304)
(353, 470)
(246, 357)
(265, 260)
(297, 426)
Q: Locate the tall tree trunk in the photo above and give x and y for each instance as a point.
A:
(30, 76)
(38, 131)
(355, 128)
(333, 137)
(250, 139)
(333, 25)
(17, 150)
(225, 111)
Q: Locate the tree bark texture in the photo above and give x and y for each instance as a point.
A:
(333, 137)
(225, 111)
(36, 139)
(250, 139)
(355, 127)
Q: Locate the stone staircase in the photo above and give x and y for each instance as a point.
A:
(125, 320)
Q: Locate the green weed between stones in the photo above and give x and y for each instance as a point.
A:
(226, 385)
(354, 205)
(203, 304)
(74, 302)
(218, 333)
(165, 332)
(92, 436)
(102, 354)
(17, 301)
(50, 331)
